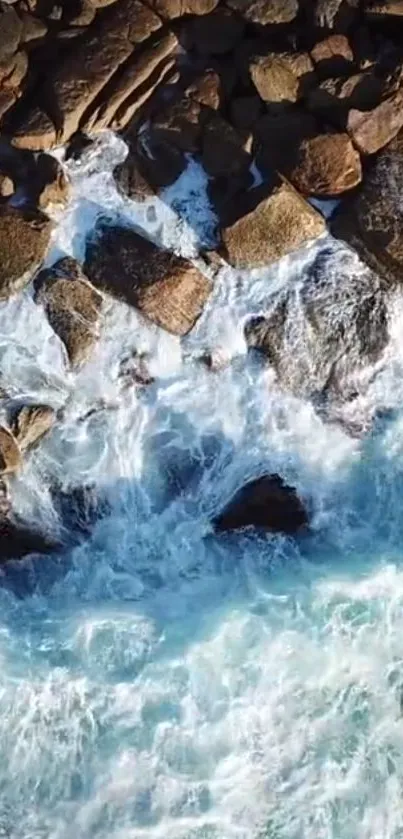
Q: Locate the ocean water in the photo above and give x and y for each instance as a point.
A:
(160, 682)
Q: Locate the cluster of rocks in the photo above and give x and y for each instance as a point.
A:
(309, 93)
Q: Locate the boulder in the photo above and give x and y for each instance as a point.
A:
(33, 28)
(333, 56)
(31, 423)
(10, 455)
(370, 131)
(279, 135)
(73, 307)
(171, 9)
(78, 81)
(223, 151)
(10, 33)
(180, 124)
(281, 77)
(266, 503)
(267, 223)
(265, 12)
(372, 221)
(245, 111)
(49, 183)
(328, 165)
(148, 170)
(325, 328)
(24, 240)
(216, 34)
(335, 97)
(207, 89)
(167, 289)
(19, 540)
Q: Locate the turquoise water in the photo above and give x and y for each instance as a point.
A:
(159, 682)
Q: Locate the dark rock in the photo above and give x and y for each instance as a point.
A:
(149, 169)
(383, 11)
(336, 14)
(33, 28)
(266, 503)
(265, 12)
(18, 540)
(31, 423)
(330, 325)
(78, 143)
(180, 124)
(24, 239)
(49, 183)
(279, 135)
(245, 111)
(223, 151)
(267, 223)
(372, 221)
(207, 89)
(168, 289)
(10, 33)
(282, 77)
(333, 57)
(72, 305)
(216, 34)
(328, 165)
(334, 98)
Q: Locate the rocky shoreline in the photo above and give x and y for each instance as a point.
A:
(280, 101)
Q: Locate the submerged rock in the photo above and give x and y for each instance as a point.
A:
(326, 328)
(267, 223)
(72, 305)
(24, 239)
(18, 540)
(267, 503)
(168, 289)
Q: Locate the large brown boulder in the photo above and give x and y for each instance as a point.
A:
(267, 223)
(372, 221)
(24, 239)
(73, 307)
(325, 328)
(168, 289)
(77, 82)
(281, 77)
(265, 12)
(328, 165)
(266, 503)
(370, 131)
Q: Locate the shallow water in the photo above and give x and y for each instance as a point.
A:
(157, 681)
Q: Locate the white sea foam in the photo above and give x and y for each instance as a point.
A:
(158, 681)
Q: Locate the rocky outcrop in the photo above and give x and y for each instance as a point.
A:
(24, 239)
(168, 289)
(328, 165)
(266, 503)
(73, 307)
(372, 222)
(324, 330)
(268, 222)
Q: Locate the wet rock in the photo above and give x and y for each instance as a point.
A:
(10, 33)
(372, 221)
(330, 325)
(282, 77)
(328, 165)
(33, 28)
(266, 503)
(130, 179)
(49, 183)
(18, 540)
(180, 124)
(265, 12)
(166, 288)
(31, 423)
(149, 167)
(10, 455)
(73, 307)
(268, 223)
(333, 56)
(223, 151)
(216, 34)
(24, 239)
(370, 131)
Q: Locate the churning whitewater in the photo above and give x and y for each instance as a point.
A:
(158, 681)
